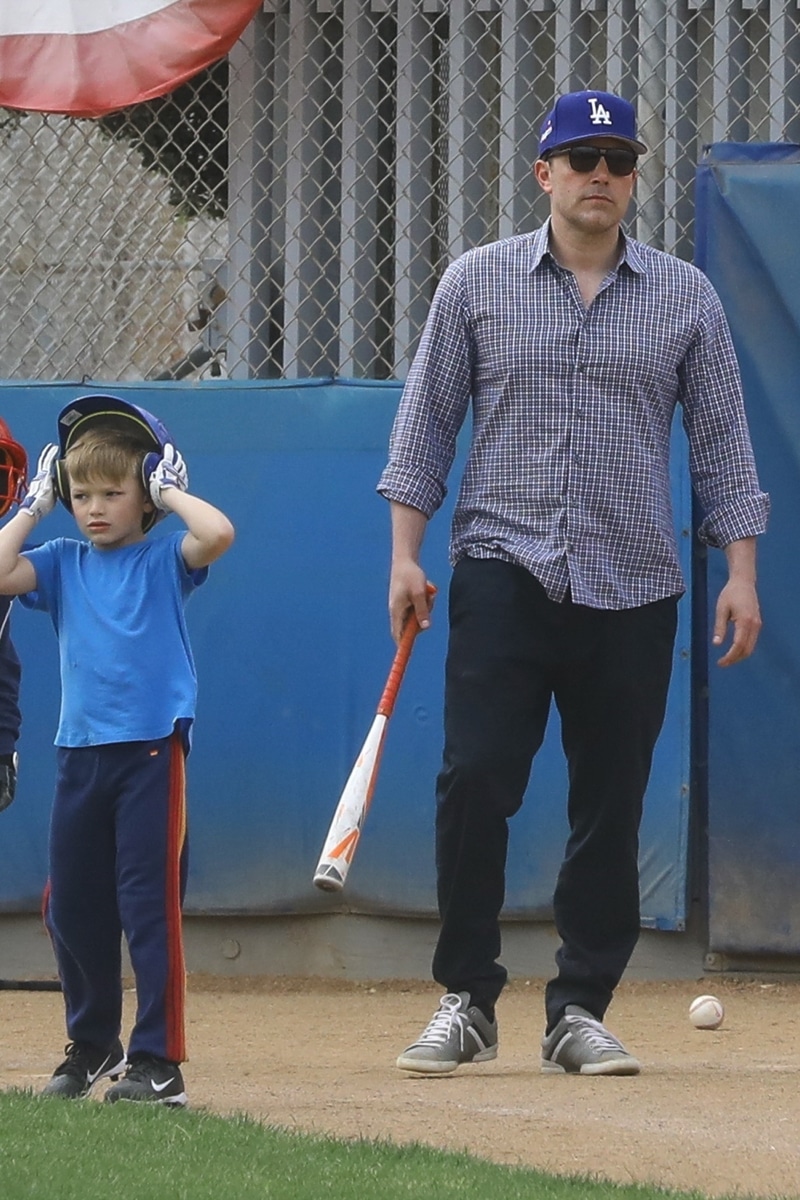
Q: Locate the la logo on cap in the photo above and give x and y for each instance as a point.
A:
(600, 114)
(591, 113)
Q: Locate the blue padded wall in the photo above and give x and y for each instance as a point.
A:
(747, 203)
(292, 646)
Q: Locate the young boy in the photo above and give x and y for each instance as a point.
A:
(117, 837)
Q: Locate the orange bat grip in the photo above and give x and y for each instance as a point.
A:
(398, 667)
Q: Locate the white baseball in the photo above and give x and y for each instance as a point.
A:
(706, 1012)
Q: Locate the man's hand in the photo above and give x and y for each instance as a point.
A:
(409, 591)
(737, 603)
(40, 498)
(169, 472)
(408, 587)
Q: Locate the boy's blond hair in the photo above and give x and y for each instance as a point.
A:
(106, 454)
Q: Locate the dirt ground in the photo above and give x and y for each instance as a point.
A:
(714, 1111)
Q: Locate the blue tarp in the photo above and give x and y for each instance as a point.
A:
(292, 646)
(748, 198)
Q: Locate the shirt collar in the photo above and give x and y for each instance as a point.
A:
(630, 254)
(540, 244)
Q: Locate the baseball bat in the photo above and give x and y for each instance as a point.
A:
(351, 811)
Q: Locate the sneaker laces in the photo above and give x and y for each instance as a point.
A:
(142, 1066)
(448, 1014)
(72, 1064)
(595, 1033)
(137, 1071)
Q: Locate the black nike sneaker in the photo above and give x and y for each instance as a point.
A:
(84, 1065)
(150, 1078)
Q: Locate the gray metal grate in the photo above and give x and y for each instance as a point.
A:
(289, 212)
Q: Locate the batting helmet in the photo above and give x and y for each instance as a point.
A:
(110, 412)
(13, 470)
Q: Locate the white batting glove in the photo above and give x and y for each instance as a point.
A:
(40, 498)
(169, 473)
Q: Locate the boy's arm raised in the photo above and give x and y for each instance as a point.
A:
(210, 532)
(17, 575)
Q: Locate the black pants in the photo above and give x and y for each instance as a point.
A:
(511, 650)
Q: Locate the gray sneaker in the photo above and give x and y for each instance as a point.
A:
(581, 1045)
(458, 1033)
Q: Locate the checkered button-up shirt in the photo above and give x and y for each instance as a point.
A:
(567, 471)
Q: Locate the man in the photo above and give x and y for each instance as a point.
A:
(573, 345)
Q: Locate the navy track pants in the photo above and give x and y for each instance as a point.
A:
(118, 861)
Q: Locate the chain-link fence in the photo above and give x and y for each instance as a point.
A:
(288, 212)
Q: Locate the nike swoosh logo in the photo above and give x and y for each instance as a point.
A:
(159, 1087)
(92, 1077)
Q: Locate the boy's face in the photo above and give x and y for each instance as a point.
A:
(110, 514)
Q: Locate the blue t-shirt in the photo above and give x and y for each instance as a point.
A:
(127, 672)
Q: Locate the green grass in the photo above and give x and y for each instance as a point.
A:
(82, 1150)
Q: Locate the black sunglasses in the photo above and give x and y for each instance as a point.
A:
(585, 158)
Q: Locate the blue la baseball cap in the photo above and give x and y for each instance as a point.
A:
(579, 116)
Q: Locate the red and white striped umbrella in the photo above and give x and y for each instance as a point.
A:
(90, 57)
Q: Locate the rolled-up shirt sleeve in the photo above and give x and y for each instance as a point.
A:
(434, 402)
(721, 462)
